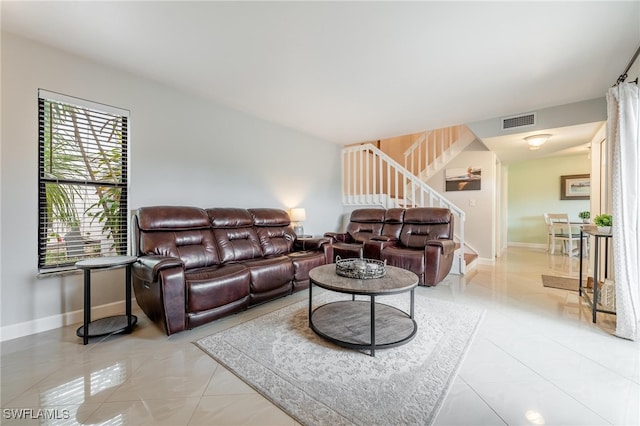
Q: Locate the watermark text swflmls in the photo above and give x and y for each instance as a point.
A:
(35, 414)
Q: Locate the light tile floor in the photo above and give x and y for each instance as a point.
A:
(537, 359)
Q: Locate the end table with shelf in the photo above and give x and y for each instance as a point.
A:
(592, 231)
(113, 324)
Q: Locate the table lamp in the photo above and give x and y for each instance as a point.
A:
(297, 216)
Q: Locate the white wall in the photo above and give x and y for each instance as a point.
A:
(480, 217)
(590, 111)
(600, 174)
(184, 150)
(534, 189)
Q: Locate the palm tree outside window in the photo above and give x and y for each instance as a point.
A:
(83, 185)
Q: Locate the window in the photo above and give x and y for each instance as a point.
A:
(82, 197)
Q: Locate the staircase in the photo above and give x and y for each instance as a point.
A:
(371, 177)
(434, 149)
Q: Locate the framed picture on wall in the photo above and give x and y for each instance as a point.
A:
(575, 187)
(463, 179)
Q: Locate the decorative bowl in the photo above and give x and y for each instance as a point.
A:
(360, 268)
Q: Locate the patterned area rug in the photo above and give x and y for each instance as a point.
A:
(316, 382)
(562, 283)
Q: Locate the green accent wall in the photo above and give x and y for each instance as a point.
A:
(534, 189)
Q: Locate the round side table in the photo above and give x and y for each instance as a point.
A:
(113, 324)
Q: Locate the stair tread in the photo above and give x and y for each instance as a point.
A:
(469, 257)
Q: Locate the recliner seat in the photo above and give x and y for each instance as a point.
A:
(363, 225)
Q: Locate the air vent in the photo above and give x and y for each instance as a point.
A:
(524, 120)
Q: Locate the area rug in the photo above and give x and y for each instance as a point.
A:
(319, 383)
(562, 283)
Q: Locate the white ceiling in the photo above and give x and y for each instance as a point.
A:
(566, 140)
(353, 71)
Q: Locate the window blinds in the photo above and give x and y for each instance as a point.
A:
(83, 185)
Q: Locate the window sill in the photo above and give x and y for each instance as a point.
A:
(43, 274)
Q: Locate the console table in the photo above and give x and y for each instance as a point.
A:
(593, 232)
(113, 324)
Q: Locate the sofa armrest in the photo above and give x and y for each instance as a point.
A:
(438, 260)
(447, 246)
(383, 238)
(302, 244)
(338, 237)
(373, 248)
(159, 286)
(148, 267)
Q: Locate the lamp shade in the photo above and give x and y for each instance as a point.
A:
(535, 141)
(298, 215)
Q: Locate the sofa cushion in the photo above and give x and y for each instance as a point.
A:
(276, 241)
(347, 250)
(406, 258)
(368, 215)
(228, 217)
(424, 224)
(237, 244)
(274, 231)
(234, 234)
(304, 261)
(208, 288)
(269, 273)
(181, 232)
(195, 248)
(171, 218)
(270, 217)
(365, 223)
(393, 220)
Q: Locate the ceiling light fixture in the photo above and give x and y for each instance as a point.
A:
(535, 141)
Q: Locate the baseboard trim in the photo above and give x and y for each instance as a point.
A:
(486, 261)
(39, 325)
(528, 245)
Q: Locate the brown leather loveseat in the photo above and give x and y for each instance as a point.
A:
(418, 239)
(197, 265)
(364, 224)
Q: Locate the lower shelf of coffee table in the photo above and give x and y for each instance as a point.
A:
(348, 324)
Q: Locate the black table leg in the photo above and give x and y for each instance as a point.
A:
(87, 304)
(310, 287)
(373, 326)
(128, 298)
(412, 303)
(580, 279)
(596, 279)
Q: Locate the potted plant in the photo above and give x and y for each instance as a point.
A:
(584, 216)
(604, 222)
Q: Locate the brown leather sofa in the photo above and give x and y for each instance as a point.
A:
(197, 265)
(365, 224)
(418, 239)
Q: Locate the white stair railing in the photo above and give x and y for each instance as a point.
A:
(434, 149)
(371, 177)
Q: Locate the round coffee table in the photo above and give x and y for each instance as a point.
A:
(363, 324)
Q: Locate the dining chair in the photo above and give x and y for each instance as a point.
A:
(560, 229)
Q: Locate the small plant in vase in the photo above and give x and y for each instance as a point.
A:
(604, 222)
(584, 216)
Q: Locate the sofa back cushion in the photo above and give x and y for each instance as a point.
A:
(234, 234)
(274, 231)
(182, 232)
(393, 219)
(422, 224)
(365, 223)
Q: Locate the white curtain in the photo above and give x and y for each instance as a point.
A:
(623, 135)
